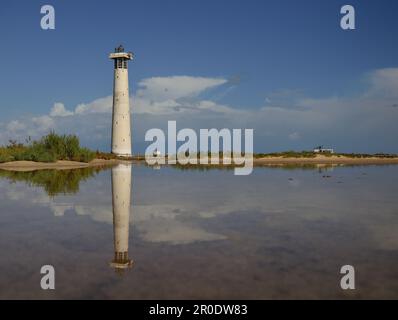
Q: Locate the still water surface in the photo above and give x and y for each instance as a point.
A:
(278, 233)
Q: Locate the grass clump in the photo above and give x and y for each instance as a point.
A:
(49, 148)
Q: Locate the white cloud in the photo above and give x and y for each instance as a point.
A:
(177, 94)
(174, 232)
(58, 110)
(101, 105)
(59, 209)
(142, 106)
(101, 213)
(384, 82)
(15, 125)
(167, 107)
(175, 87)
(43, 123)
(162, 95)
(294, 136)
(22, 128)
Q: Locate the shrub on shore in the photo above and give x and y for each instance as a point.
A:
(288, 154)
(50, 148)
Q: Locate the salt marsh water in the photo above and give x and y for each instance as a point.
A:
(276, 234)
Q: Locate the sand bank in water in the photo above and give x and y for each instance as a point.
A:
(319, 159)
(59, 165)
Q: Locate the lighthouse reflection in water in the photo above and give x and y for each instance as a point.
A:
(121, 200)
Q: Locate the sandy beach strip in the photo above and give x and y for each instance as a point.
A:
(58, 165)
(320, 159)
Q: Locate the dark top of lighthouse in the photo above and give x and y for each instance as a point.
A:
(119, 49)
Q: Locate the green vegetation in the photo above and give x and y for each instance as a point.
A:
(289, 154)
(54, 182)
(366, 155)
(111, 156)
(50, 148)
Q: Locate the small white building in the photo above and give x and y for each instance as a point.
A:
(321, 149)
(157, 153)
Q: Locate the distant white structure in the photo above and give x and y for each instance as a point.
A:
(121, 131)
(155, 156)
(121, 198)
(321, 149)
(157, 153)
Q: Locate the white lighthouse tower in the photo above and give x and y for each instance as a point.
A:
(121, 131)
(121, 197)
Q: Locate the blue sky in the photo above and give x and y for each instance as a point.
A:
(284, 68)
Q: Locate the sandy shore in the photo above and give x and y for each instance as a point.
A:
(321, 159)
(59, 165)
(318, 160)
